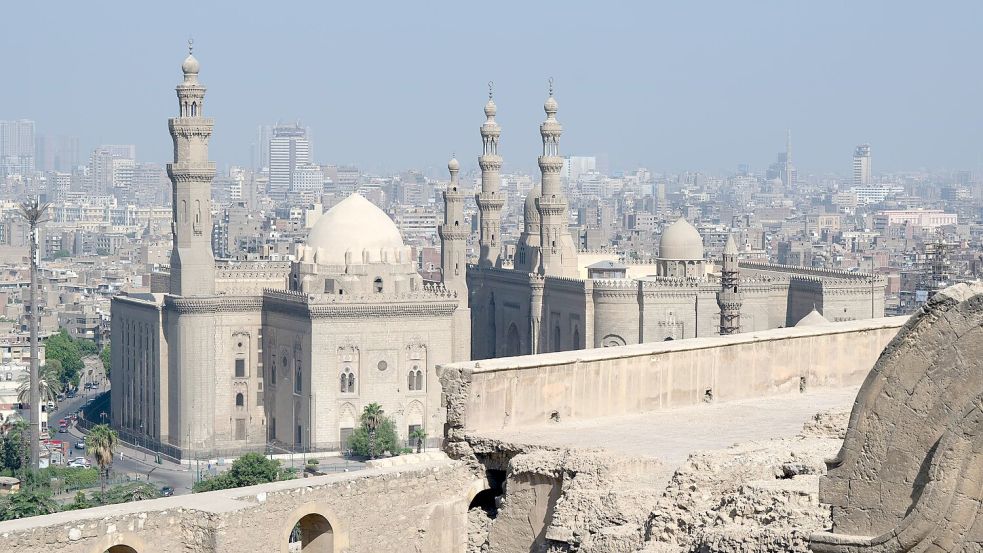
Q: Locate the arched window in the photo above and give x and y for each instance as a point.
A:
(377, 283)
(410, 382)
(419, 380)
(576, 338)
(556, 338)
(194, 109)
(298, 377)
(347, 381)
(414, 379)
(273, 371)
(240, 401)
(512, 342)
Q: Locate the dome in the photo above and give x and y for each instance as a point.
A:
(550, 106)
(814, 318)
(490, 108)
(354, 224)
(190, 65)
(529, 213)
(681, 241)
(453, 165)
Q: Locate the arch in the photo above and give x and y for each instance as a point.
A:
(377, 285)
(556, 338)
(240, 400)
(513, 344)
(121, 548)
(120, 542)
(320, 529)
(419, 380)
(576, 338)
(194, 109)
(612, 340)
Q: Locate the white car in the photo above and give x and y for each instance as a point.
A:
(79, 462)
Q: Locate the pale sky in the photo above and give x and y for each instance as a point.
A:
(392, 85)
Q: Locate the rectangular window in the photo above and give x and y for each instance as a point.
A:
(413, 428)
(240, 368)
(240, 429)
(259, 398)
(346, 434)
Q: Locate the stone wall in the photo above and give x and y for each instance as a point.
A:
(414, 507)
(515, 392)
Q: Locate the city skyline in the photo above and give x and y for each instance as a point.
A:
(651, 90)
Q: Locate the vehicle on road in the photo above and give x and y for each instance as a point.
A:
(80, 445)
(166, 491)
(79, 462)
(71, 394)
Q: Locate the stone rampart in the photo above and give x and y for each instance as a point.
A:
(532, 390)
(413, 507)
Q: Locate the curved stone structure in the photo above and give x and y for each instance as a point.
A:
(909, 476)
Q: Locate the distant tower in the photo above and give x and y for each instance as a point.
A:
(730, 297)
(454, 236)
(490, 199)
(861, 165)
(557, 252)
(789, 176)
(192, 263)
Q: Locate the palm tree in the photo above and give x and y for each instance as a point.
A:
(101, 442)
(48, 385)
(372, 417)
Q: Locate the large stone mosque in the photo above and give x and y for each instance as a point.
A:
(225, 356)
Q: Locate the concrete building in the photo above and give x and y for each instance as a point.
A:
(17, 147)
(234, 355)
(290, 152)
(925, 218)
(861, 165)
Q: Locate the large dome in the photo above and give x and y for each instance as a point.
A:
(681, 241)
(354, 224)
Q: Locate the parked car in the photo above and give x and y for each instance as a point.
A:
(167, 491)
(71, 394)
(79, 462)
(80, 445)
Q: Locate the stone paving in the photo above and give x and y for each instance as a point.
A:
(671, 435)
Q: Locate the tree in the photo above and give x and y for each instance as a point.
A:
(63, 348)
(372, 417)
(80, 502)
(14, 449)
(125, 493)
(28, 502)
(101, 442)
(248, 470)
(106, 356)
(375, 435)
(48, 384)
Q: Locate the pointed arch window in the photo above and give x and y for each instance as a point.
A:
(414, 379)
(347, 380)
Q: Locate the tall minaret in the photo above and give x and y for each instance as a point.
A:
(730, 297)
(454, 236)
(557, 253)
(490, 199)
(192, 263)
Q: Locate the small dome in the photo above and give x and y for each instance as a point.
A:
(453, 165)
(814, 318)
(529, 212)
(354, 224)
(550, 106)
(681, 241)
(490, 108)
(190, 65)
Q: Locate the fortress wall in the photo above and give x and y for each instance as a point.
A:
(415, 507)
(493, 394)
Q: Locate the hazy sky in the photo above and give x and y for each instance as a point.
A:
(671, 86)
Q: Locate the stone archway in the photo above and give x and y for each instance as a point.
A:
(121, 549)
(312, 528)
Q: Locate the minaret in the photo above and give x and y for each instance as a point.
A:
(490, 199)
(192, 263)
(730, 297)
(454, 236)
(557, 254)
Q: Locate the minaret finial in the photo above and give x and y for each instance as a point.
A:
(191, 45)
(491, 85)
(551, 86)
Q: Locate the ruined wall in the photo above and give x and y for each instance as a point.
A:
(515, 392)
(415, 507)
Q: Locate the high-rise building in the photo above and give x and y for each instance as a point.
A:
(261, 148)
(289, 151)
(17, 147)
(861, 165)
(57, 153)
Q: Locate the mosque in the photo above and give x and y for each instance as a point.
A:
(225, 356)
(554, 298)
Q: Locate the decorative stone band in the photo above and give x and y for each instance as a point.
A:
(550, 164)
(213, 304)
(452, 233)
(487, 201)
(490, 162)
(184, 172)
(358, 310)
